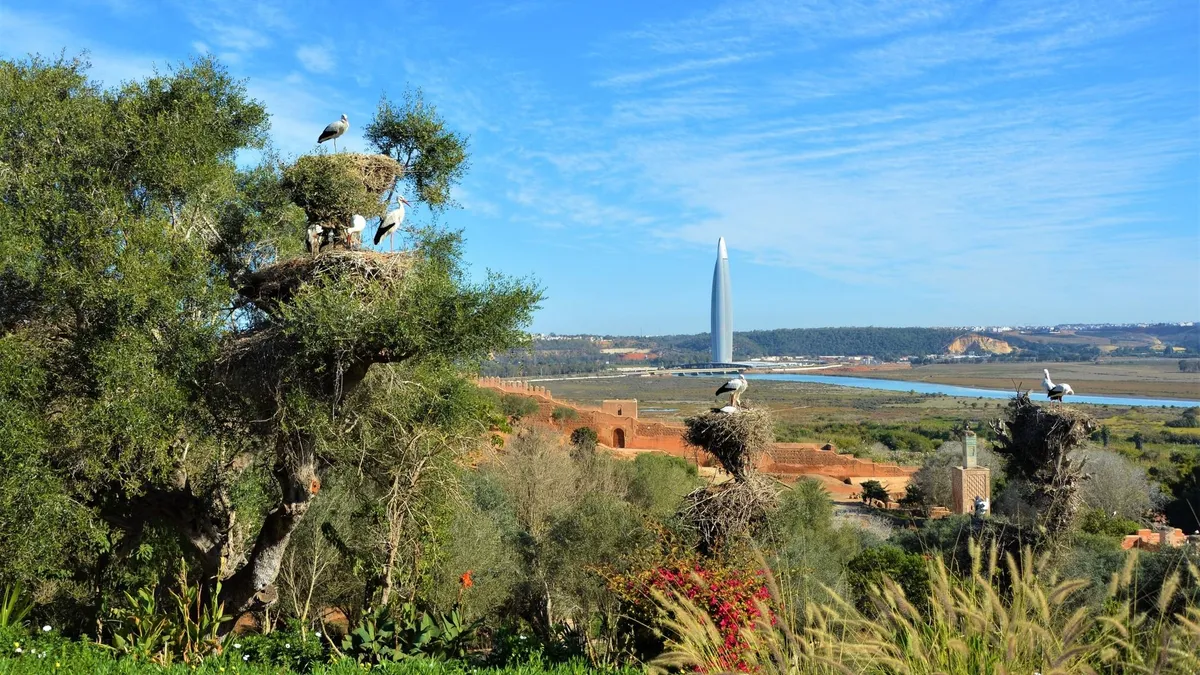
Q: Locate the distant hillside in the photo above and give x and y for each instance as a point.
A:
(978, 344)
(884, 343)
(564, 356)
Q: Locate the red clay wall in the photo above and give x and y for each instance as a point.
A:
(783, 458)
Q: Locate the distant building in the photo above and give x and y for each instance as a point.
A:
(722, 308)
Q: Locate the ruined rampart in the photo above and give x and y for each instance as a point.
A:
(626, 431)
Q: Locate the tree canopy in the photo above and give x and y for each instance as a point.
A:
(172, 373)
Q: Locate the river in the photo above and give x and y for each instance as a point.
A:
(964, 392)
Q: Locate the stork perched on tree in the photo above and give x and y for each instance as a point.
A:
(733, 387)
(389, 223)
(354, 234)
(1055, 392)
(334, 130)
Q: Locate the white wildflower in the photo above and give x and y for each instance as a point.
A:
(46, 628)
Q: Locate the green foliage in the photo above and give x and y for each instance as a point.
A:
(330, 188)
(14, 606)
(868, 569)
(408, 632)
(1098, 521)
(1188, 419)
(414, 134)
(659, 482)
(563, 414)
(874, 491)
(515, 406)
(156, 387)
(188, 630)
(584, 437)
(288, 647)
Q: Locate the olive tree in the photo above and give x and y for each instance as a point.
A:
(169, 364)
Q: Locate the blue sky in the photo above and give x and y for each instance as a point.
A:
(870, 163)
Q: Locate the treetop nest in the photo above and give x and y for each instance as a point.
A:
(719, 513)
(736, 439)
(332, 188)
(278, 283)
(1035, 436)
(1036, 442)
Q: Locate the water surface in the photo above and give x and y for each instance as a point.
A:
(964, 392)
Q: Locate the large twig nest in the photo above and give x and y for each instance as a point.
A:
(736, 439)
(1037, 442)
(719, 513)
(332, 188)
(277, 283)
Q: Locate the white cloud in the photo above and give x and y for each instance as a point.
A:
(316, 58)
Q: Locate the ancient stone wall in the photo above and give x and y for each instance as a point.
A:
(626, 431)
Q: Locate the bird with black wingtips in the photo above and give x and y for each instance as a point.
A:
(389, 223)
(734, 388)
(334, 130)
(1055, 392)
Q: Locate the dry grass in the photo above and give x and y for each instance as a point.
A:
(973, 627)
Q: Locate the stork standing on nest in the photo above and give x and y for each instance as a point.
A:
(734, 388)
(1055, 392)
(334, 130)
(354, 234)
(313, 241)
(387, 226)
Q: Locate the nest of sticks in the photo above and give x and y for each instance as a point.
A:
(276, 284)
(720, 513)
(1037, 442)
(736, 439)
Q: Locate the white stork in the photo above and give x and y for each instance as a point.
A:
(354, 234)
(1055, 392)
(391, 221)
(313, 241)
(334, 130)
(733, 387)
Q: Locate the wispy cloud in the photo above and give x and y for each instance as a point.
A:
(316, 58)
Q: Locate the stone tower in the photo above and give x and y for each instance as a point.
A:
(969, 481)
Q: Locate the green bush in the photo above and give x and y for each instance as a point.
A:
(909, 570)
(516, 406)
(1097, 521)
(660, 481)
(563, 414)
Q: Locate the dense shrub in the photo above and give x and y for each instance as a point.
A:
(564, 414)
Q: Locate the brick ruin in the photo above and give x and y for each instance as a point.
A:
(617, 425)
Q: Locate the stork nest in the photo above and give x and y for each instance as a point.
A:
(278, 283)
(1037, 442)
(736, 439)
(332, 188)
(721, 513)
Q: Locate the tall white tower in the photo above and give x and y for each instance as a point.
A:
(722, 308)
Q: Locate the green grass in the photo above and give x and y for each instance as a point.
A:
(85, 659)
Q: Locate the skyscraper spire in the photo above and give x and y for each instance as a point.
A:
(722, 308)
